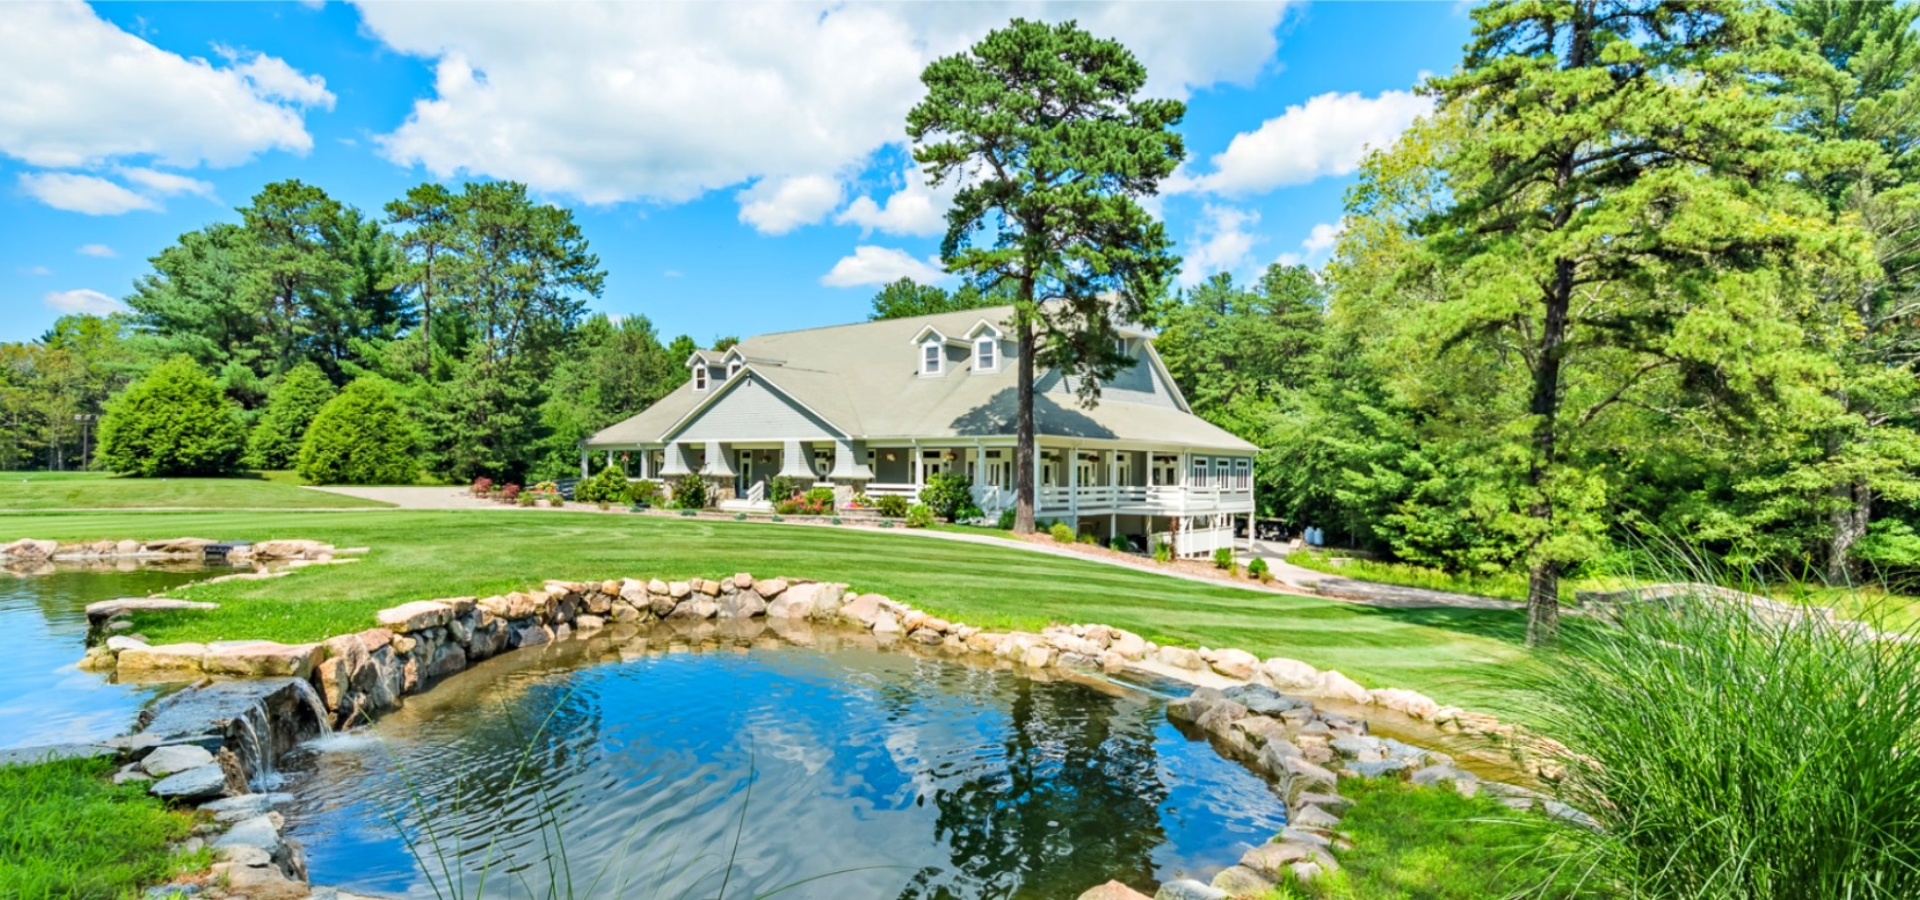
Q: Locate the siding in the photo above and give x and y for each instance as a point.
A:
(1137, 383)
(751, 412)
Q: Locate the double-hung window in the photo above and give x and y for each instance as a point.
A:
(986, 355)
(930, 358)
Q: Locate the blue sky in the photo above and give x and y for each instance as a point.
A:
(738, 167)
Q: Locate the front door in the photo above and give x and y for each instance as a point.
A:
(743, 481)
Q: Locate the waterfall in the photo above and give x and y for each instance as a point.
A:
(257, 720)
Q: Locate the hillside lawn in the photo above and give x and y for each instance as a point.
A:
(100, 490)
(1464, 657)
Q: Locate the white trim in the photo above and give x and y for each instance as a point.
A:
(994, 365)
(920, 337)
(733, 368)
(700, 380)
(939, 359)
(727, 387)
(984, 325)
(1160, 369)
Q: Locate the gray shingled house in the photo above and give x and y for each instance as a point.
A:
(877, 407)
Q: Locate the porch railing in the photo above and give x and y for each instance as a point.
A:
(1194, 541)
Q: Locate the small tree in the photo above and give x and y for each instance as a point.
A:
(609, 485)
(291, 406)
(362, 436)
(947, 494)
(690, 492)
(175, 421)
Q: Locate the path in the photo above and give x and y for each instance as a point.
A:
(1290, 578)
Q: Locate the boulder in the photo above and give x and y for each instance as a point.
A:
(661, 605)
(193, 785)
(527, 633)
(1432, 776)
(699, 607)
(924, 635)
(1112, 890)
(261, 659)
(1275, 860)
(1188, 889)
(1297, 777)
(244, 806)
(121, 643)
(259, 831)
(768, 588)
(1408, 703)
(1182, 658)
(419, 615)
(1220, 716)
(679, 589)
(187, 546)
(1313, 817)
(656, 586)
(28, 548)
(171, 758)
(107, 609)
(866, 609)
(709, 588)
(1335, 686)
(588, 622)
(1290, 674)
(1129, 645)
(886, 623)
(742, 581)
(1376, 768)
(1263, 700)
(291, 550)
(184, 658)
(741, 604)
(1236, 664)
(1240, 881)
(1038, 657)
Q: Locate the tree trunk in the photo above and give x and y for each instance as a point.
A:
(1023, 454)
(1852, 509)
(1543, 604)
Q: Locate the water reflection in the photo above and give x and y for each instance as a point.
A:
(44, 697)
(909, 777)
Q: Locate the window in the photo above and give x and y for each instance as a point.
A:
(986, 355)
(1242, 470)
(930, 357)
(699, 378)
(1199, 472)
(733, 368)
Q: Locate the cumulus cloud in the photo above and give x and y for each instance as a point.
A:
(166, 184)
(81, 93)
(100, 250)
(1317, 245)
(779, 205)
(1327, 135)
(916, 209)
(83, 302)
(870, 265)
(667, 101)
(89, 194)
(1222, 242)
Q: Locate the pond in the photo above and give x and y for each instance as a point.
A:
(45, 698)
(880, 773)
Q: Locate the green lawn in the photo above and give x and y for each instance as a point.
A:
(1457, 656)
(1431, 844)
(98, 490)
(68, 833)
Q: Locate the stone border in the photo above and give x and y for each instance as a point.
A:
(1253, 710)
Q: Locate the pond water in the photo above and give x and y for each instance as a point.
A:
(878, 772)
(45, 698)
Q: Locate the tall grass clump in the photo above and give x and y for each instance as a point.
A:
(1733, 752)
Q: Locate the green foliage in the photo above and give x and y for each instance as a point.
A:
(69, 833)
(920, 515)
(905, 299)
(1056, 112)
(607, 372)
(816, 501)
(893, 506)
(643, 492)
(782, 487)
(362, 436)
(1258, 569)
(291, 406)
(1062, 532)
(1119, 543)
(609, 485)
(1162, 552)
(1768, 739)
(690, 492)
(1223, 558)
(948, 494)
(174, 421)
(1005, 520)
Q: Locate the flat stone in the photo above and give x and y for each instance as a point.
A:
(1408, 703)
(27, 756)
(1263, 700)
(1458, 779)
(1188, 889)
(1313, 817)
(1333, 803)
(419, 615)
(28, 548)
(164, 761)
(1290, 674)
(260, 659)
(1297, 776)
(679, 589)
(164, 658)
(121, 643)
(1240, 881)
(1220, 716)
(1272, 859)
(1182, 658)
(193, 785)
(1237, 664)
(768, 588)
(1335, 686)
(1377, 768)
(741, 605)
(1112, 890)
(260, 831)
(107, 609)
(244, 806)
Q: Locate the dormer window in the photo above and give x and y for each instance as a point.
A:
(986, 355)
(699, 378)
(930, 358)
(733, 368)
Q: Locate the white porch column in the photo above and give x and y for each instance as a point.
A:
(919, 467)
(1038, 467)
(795, 461)
(583, 463)
(849, 462)
(609, 456)
(1073, 485)
(717, 462)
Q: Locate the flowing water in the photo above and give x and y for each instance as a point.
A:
(890, 774)
(45, 698)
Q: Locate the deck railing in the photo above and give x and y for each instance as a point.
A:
(1194, 541)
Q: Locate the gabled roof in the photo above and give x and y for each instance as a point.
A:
(862, 380)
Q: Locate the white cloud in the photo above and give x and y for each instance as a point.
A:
(779, 205)
(100, 250)
(667, 101)
(1323, 236)
(81, 92)
(915, 209)
(166, 184)
(1221, 243)
(87, 194)
(871, 265)
(83, 302)
(1328, 135)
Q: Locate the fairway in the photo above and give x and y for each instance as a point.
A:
(98, 490)
(1457, 656)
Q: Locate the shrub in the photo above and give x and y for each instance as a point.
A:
(1089, 540)
(1258, 569)
(1119, 543)
(739, 517)
(920, 516)
(947, 495)
(893, 506)
(1005, 522)
(546, 487)
(778, 518)
(805, 505)
(820, 494)
(690, 492)
(643, 493)
(1062, 532)
(174, 421)
(860, 500)
(483, 486)
(554, 500)
(510, 494)
(1728, 754)
(781, 487)
(1223, 558)
(362, 436)
(528, 498)
(291, 406)
(834, 521)
(607, 486)
(1162, 552)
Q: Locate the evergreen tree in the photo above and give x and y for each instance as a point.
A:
(173, 421)
(275, 440)
(362, 436)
